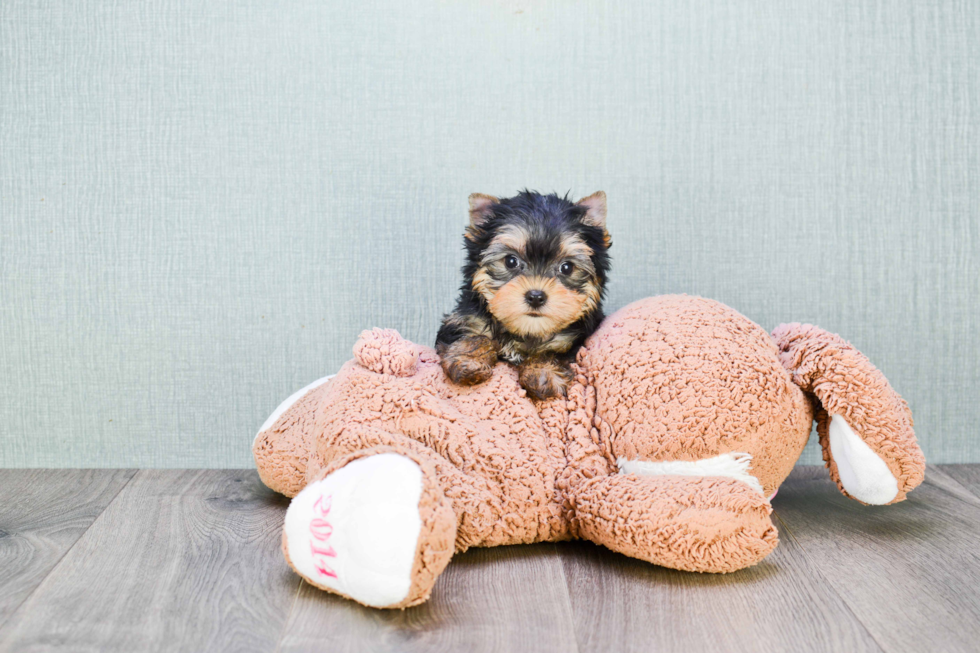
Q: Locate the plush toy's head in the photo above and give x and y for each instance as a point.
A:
(688, 386)
(681, 378)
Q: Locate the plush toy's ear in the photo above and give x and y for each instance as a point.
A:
(481, 208)
(595, 209)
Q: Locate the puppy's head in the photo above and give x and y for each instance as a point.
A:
(539, 261)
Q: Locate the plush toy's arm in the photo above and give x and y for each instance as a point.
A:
(693, 523)
(865, 427)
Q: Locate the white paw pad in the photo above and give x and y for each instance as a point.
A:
(732, 465)
(356, 531)
(862, 472)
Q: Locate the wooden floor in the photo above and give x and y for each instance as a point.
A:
(154, 560)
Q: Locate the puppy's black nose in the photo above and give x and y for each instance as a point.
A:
(535, 298)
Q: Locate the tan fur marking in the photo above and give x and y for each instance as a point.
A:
(510, 237)
(480, 210)
(575, 248)
(468, 361)
(563, 307)
(516, 352)
(513, 352)
(471, 324)
(592, 297)
(595, 206)
(559, 344)
(480, 207)
(483, 283)
(544, 378)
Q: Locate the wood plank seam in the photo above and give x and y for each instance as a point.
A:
(181, 559)
(568, 592)
(27, 597)
(784, 528)
(947, 481)
(289, 615)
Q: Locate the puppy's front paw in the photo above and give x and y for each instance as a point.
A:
(544, 379)
(467, 370)
(469, 361)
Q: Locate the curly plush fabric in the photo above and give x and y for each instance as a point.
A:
(282, 451)
(694, 524)
(385, 352)
(683, 391)
(685, 378)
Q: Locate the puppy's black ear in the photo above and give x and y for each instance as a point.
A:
(595, 209)
(481, 208)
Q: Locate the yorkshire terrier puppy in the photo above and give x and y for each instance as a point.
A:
(532, 291)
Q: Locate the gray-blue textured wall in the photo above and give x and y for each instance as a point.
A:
(203, 203)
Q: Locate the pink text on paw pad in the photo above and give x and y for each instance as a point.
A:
(320, 531)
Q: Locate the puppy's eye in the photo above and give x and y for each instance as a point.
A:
(566, 268)
(511, 262)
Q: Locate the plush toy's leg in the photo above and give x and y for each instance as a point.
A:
(477, 506)
(865, 427)
(693, 523)
(376, 527)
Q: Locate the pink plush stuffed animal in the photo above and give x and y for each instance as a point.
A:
(683, 419)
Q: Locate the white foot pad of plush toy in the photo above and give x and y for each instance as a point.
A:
(862, 472)
(356, 531)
